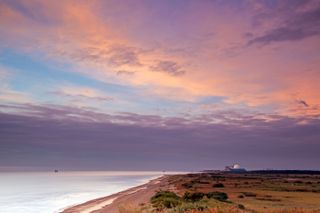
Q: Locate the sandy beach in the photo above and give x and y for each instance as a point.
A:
(131, 197)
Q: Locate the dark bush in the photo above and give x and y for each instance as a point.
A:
(218, 185)
(240, 206)
(301, 190)
(187, 185)
(193, 197)
(249, 194)
(203, 182)
(186, 196)
(165, 199)
(268, 199)
(221, 196)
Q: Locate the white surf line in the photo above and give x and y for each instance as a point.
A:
(98, 206)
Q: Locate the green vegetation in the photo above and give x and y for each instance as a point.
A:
(236, 193)
(165, 199)
(257, 192)
(189, 201)
(185, 207)
(220, 196)
(193, 197)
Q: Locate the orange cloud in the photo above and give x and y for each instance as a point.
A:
(185, 64)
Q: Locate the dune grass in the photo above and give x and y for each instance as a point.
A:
(240, 193)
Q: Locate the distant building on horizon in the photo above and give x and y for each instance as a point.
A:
(234, 168)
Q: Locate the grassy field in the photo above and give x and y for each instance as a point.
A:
(244, 192)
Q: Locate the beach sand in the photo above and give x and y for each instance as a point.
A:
(132, 197)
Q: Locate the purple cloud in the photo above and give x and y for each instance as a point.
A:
(52, 138)
(297, 25)
(302, 102)
(170, 67)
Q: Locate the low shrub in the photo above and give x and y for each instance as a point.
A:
(268, 199)
(187, 185)
(165, 199)
(218, 185)
(249, 194)
(221, 196)
(240, 206)
(193, 197)
(191, 207)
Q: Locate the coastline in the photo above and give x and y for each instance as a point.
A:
(134, 197)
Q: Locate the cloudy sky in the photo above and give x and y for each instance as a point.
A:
(159, 85)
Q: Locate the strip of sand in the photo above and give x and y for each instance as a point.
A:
(98, 206)
(134, 197)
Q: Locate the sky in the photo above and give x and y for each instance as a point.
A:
(159, 85)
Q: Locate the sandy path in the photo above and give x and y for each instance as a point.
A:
(132, 197)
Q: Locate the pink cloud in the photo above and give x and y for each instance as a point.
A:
(194, 50)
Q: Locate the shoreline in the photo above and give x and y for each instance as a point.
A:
(132, 197)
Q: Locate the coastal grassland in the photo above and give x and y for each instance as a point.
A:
(243, 192)
(257, 192)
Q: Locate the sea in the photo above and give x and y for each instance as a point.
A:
(51, 192)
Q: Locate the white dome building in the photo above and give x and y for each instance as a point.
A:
(235, 168)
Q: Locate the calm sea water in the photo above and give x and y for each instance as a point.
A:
(41, 192)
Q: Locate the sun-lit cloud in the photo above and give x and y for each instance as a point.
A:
(11, 96)
(252, 53)
(7, 93)
(83, 92)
